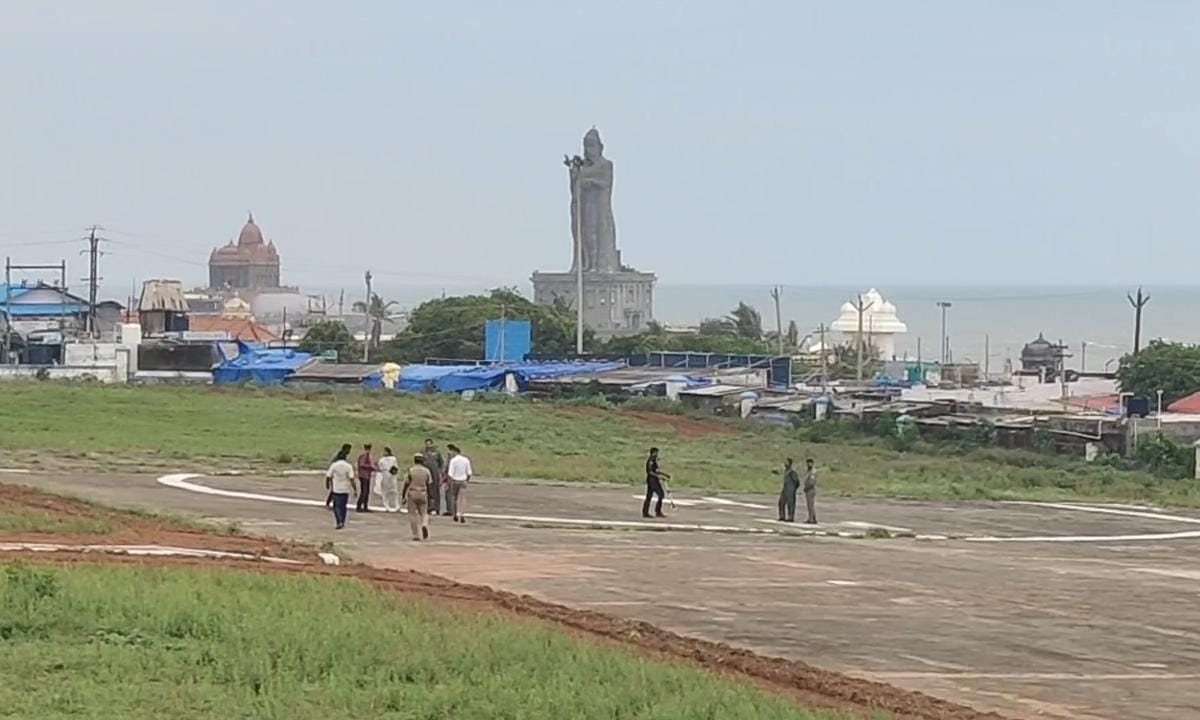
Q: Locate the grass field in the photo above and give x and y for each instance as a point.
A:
(142, 643)
(192, 427)
(17, 520)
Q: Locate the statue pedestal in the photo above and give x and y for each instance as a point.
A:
(615, 303)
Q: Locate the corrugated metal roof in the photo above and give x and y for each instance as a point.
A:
(718, 390)
(162, 295)
(319, 370)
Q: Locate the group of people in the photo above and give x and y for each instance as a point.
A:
(431, 485)
(656, 487)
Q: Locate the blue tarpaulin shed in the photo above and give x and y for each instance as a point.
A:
(262, 366)
(459, 378)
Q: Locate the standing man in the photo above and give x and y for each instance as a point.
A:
(810, 491)
(654, 486)
(341, 485)
(432, 459)
(366, 466)
(459, 471)
(343, 453)
(416, 498)
(787, 497)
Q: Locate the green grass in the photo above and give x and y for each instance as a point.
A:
(248, 428)
(30, 520)
(148, 643)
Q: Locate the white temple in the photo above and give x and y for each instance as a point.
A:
(880, 325)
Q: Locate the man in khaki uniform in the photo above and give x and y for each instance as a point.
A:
(416, 498)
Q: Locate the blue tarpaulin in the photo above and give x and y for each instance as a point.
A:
(459, 378)
(263, 366)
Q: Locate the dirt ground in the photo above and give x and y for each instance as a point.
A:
(1027, 610)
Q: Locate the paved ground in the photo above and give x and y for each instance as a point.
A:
(1023, 610)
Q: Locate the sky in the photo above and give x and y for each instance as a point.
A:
(869, 143)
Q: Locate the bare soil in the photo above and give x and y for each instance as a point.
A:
(807, 685)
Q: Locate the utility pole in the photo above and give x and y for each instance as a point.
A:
(861, 308)
(503, 322)
(367, 317)
(93, 280)
(824, 362)
(987, 356)
(1083, 356)
(944, 305)
(775, 293)
(1137, 317)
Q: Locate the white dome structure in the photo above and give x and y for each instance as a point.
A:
(880, 323)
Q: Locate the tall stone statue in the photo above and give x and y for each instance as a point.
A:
(592, 224)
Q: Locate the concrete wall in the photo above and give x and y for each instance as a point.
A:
(105, 374)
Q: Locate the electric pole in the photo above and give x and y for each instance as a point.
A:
(93, 280)
(1137, 317)
(367, 334)
(775, 293)
(824, 362)
(861, 308)
(944, 305)
(503, 319)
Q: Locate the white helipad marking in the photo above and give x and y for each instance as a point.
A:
(735, 503)
(143, 550)
(183, 481)
(1032, 676)
(848, 583)
(14, 471)
(1185, 535)
(867, 525)
(1109, 511)
(681, 502)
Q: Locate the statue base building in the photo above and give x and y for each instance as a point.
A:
(614, 303)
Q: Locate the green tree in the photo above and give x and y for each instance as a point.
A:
(377, 311)
(747, 322)
(331, 335)
(453, 327)
(792, 338)
(1171, 367)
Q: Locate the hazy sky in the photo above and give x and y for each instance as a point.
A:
(866, 143)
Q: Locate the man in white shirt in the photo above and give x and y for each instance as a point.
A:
(459, 471)
(341, 476)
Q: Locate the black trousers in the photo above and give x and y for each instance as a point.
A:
(653, 487)
(787, 502)
(364, 494)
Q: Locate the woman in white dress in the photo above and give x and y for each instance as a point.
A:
(386, 484)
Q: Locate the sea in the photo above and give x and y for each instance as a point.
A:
(987, 325)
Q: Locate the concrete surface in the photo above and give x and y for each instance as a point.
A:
(1035, 611)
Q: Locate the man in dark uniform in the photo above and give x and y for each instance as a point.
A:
(787, 497)
(433, 462)
(810, 492)
(654, 486)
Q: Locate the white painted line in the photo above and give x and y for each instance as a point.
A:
(1108, 511)
(142, 550)
(734, 503)
(1030, 676)
(1185, 535)
(183, 481)
(846, 583)
(14, 471)
(868, 525)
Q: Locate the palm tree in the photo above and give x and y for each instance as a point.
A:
(377, 311)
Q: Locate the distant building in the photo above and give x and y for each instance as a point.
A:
(880, 324)
(250, 264)
(162, 307)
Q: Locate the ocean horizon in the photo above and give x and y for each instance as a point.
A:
(1001, 318)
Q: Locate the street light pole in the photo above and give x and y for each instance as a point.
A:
(944, 305)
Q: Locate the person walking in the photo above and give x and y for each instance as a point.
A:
(436, 465)
(389, 482)
(366, 466)
(459, 471)
(787, 496)
(341, 486)
(416, 498)
(654, 485)
(810, 491)
(345, 453)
